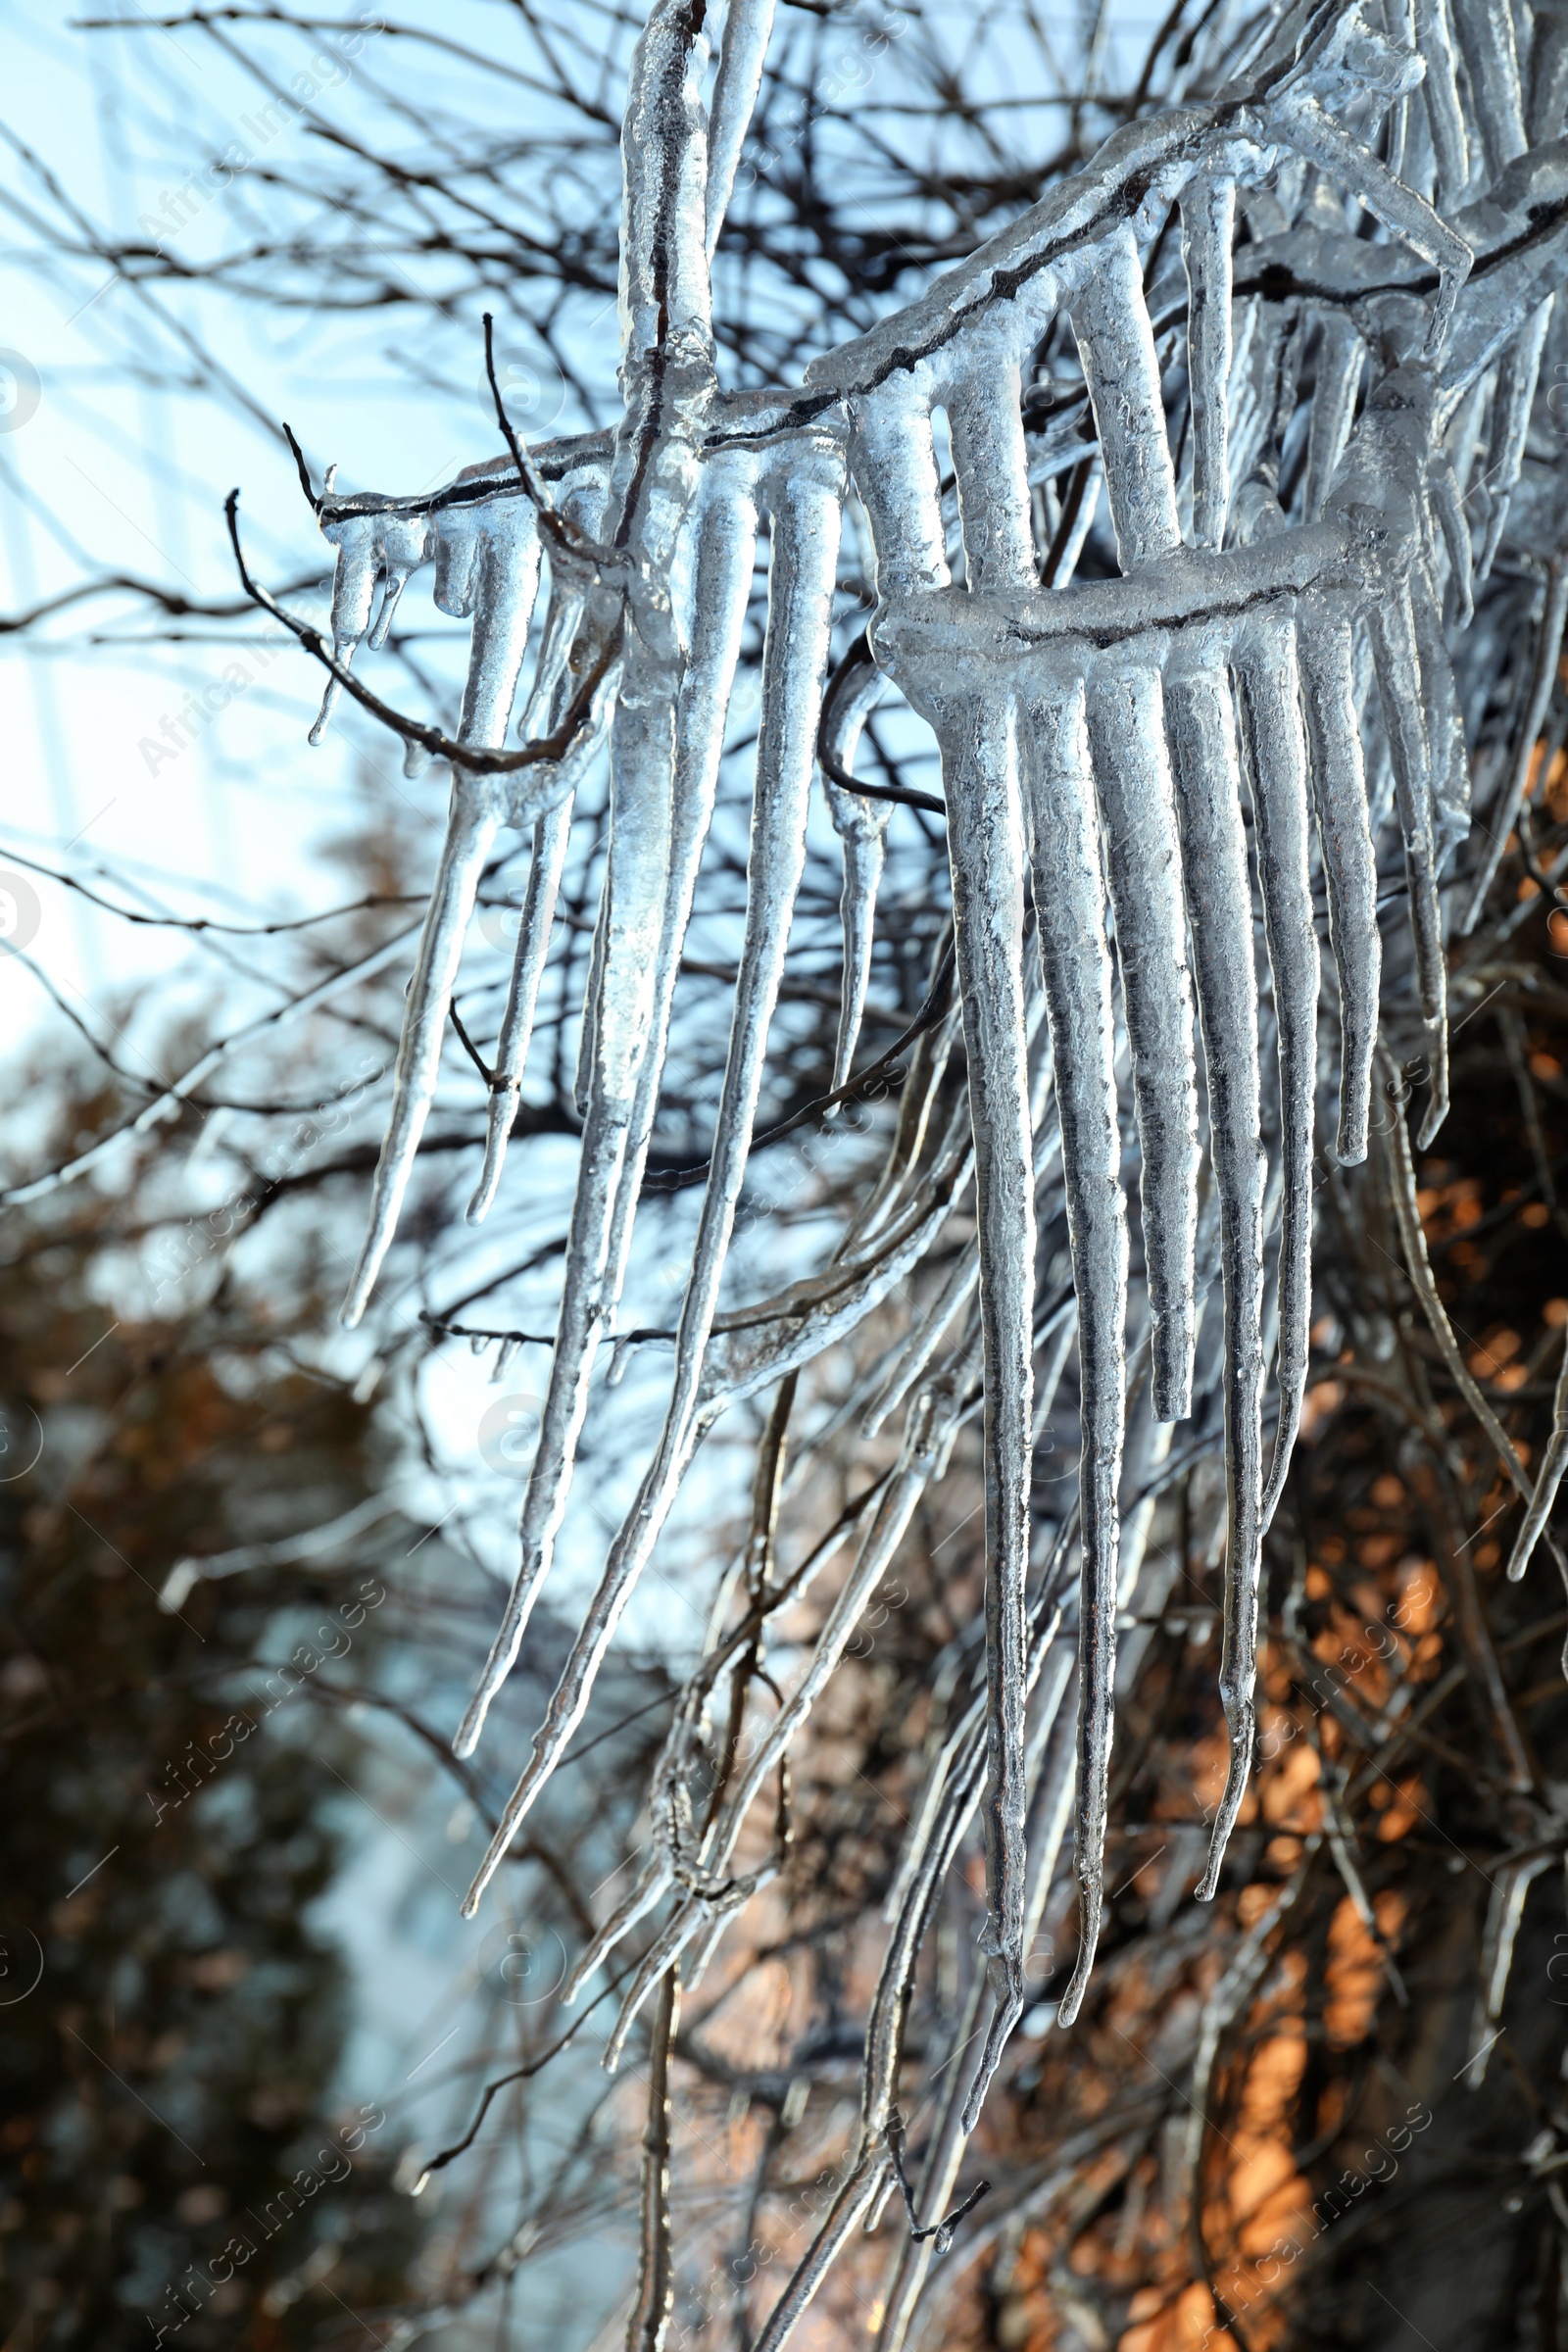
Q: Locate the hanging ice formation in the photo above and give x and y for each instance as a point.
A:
(1293, 579)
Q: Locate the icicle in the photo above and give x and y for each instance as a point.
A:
(582, 502)
(1051, 1807)
(1394, 645)
(1450, 761)
(1511, 424)
(505, 586)
(1208, 229)
(551, 834)
(727, 549)
(1198, 719)
(1548, 76)
(497, 579)
(634, 891)
(1549, 1485)
(1491, 61)
(593, 1000)
(990, 463)
(799, 601)
(1116, 346)
(1449, 502)
(985, 834)
(1506, 1910)
(472, 823)
(1133, 775)
(405, 546)
(862, 874)
(1067, 897)
(354, 579)
(1341, 359)
(1276, 758)
(635, 996)
(893, 459)
(664, 298)
(743, 52)
(1440, 87)
(986, 849)
(861, 825)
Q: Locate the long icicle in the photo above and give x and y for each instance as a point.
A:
(1200, 722)
(581, 502)
(806, 531)
(860, 825)
(1208, 229)
(742, 55)
(656, 473)
(986, 859)
(508, 569)
(635, 994)
(1504, 815)
(1327, 653)
(1117, 349)
(1076, 961)
(1440, 87)
(1341, 362)
(986, 849)
(726, 550)
(1549, 1483)
(1133, 775)
(1511, 404)
(551, 834)
(1491, 60)
(1269, 699)
(1391, 624)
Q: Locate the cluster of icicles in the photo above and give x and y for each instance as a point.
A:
(1099, 741)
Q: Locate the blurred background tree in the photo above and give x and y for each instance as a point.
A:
(173, 2019)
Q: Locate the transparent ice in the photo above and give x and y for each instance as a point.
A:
(1127, 764)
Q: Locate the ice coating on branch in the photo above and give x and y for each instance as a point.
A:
(748, 27)
(860, 825)
(1323, 404)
